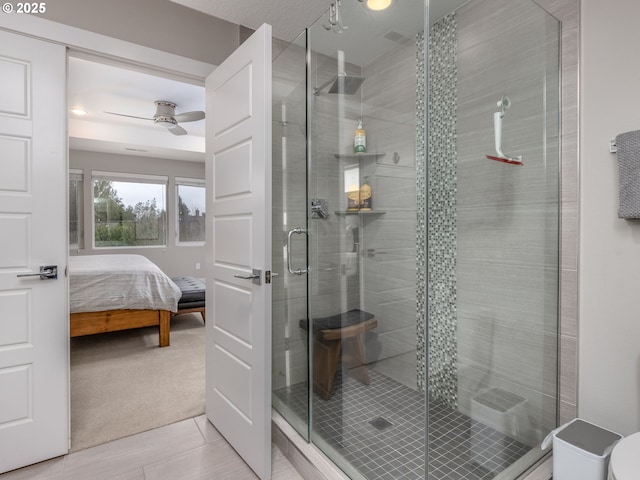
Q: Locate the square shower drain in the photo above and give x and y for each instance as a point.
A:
(380, 423)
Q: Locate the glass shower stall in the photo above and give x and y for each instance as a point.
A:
(415, 307)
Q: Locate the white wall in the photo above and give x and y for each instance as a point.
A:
(609, 328)
(159, 24)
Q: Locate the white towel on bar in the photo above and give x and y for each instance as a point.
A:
(628, 145)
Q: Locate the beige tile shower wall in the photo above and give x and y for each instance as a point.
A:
(389, 241)
(508, 215)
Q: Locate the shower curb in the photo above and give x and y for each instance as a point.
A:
(310, 462)
(543, 470)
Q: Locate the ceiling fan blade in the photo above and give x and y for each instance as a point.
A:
(189, 116)
(129, 116)
(178, 130)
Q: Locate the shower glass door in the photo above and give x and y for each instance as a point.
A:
(367, 403)
(290, 364)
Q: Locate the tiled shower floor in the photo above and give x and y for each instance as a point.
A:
(379, 430)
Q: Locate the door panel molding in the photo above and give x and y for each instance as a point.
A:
(34, 356)
(238, 177)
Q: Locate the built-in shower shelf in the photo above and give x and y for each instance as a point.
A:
(361, 212)
(360, 155)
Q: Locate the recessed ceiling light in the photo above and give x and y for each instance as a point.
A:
(78, 111)
(378, 4)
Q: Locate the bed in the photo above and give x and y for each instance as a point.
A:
(108, 293)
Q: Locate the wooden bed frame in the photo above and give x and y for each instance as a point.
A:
(88, 323)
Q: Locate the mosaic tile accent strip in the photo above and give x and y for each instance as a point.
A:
(440, 199)
(421, 227)
(459, 447)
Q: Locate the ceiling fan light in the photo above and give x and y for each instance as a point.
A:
(378, 4)
(167, 122)
(78, 111)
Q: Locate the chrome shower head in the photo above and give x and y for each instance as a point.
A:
(346, 84)
(342, 84)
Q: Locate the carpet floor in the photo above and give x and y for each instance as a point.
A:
(122, 383)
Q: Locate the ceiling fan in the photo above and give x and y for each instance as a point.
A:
(166, 116)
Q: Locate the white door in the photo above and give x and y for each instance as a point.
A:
(34, 332)
(238, 176)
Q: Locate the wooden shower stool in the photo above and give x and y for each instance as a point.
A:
(339, 337)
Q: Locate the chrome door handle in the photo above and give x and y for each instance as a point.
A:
(47, 272)
(298, 271)
(255, 276)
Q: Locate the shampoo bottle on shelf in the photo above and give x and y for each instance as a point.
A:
(353, 198)
(360, 139)
(366, 195)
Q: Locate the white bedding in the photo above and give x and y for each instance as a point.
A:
(114, 282)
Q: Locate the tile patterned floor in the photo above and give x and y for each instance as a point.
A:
(459, 447)
(188, 450)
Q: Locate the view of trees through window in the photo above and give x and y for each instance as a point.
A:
(129, 214)
(75, 212)
(191, 213)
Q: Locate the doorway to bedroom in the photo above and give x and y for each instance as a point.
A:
(135, 188)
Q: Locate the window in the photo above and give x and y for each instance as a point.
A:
(191, 210)
(76, 210)
(129, 210)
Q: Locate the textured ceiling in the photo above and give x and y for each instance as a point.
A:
(365, 38)
(287, 17)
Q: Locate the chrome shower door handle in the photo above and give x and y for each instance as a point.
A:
(299, 271)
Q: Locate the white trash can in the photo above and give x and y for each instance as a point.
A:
(581, 451)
